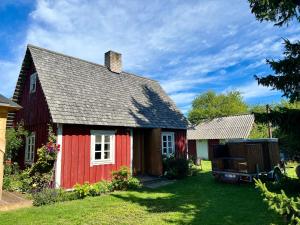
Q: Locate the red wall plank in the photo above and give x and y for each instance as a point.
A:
(76, 166)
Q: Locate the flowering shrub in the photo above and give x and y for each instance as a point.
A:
(42, 171)
(122, 180)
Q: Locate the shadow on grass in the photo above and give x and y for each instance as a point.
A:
(201, 200)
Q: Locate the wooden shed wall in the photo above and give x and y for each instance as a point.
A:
(192, 149)
(76, 147)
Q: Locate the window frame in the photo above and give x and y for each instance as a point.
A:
(95, 133)
(32, 77)
(168, 154)
(30, 148)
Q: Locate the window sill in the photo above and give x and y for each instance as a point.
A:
(101, 162)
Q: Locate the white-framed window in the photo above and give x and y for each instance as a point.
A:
(102, 147)
(29, 148)
(32, 88)
(168, 143)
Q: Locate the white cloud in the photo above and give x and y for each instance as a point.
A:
(253, 90)
(183, 98)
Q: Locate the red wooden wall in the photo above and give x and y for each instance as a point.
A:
(180, 142)
(76, 152)
(192, 149)
(34, 112)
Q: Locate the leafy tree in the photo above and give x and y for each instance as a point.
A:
(210, 105)
(259, 130)
(278, 11)
(287, 72)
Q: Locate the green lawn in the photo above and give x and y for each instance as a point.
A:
(195, 200)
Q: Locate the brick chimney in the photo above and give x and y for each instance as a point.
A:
(113, 61)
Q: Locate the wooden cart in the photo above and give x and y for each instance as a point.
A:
(243, 160)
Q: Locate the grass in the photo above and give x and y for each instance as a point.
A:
(195, 200)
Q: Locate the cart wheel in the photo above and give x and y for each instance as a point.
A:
(277, 175)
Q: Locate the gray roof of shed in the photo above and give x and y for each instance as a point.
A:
(82, 92)
(8, 103)
(229, 127)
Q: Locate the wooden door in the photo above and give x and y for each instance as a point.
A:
(138, 152)
(153, 154)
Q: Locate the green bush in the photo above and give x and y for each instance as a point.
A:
(46, 197)
(176, 168)
(122, 180)
(50, 196)
(133, 183)
(96, 189)
(287, 207)
(26, 181)
(7, 183)
(83, 190)
(14, 141)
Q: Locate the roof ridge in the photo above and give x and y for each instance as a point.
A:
(83, 60)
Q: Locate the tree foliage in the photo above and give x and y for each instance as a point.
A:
(278, 11)
(287, 72)
(210, 105)
(14, 141)
(281, 203)
(286, 118)
(259, 130)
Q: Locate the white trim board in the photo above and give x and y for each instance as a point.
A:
(59, 156)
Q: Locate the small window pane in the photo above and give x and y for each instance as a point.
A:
(106, 147)
(97, 155)
(164, 144)
(164, 138)
(106, 155)
(164, 150)
(170, 150)
(106, 138)
(97, 147)
(98, 139)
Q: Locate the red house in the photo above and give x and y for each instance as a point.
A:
(104, 117)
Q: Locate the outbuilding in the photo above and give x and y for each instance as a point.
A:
(204, 136)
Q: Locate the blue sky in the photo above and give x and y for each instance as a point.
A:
(188, 46)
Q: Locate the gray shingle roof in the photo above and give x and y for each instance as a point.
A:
(8, 103)
(230, 127)
(81, 92)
